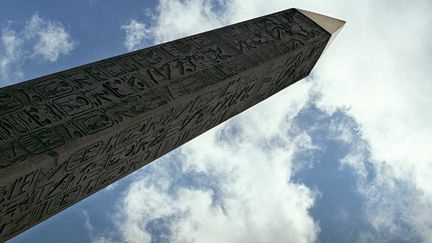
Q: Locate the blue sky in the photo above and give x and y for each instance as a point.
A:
(342, 156)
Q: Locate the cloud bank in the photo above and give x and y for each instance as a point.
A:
(136, 35)
(40, 39)
(10, 57)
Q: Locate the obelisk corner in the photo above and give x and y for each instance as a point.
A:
(329, 24)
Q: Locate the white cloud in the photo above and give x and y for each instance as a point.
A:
(378, 67)
(51, 38)
(10, 57)
(177, 19)
(136, 35)
(39, 38)
(381, 73)
(174, 19)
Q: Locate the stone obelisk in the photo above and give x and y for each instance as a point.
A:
(67, 135)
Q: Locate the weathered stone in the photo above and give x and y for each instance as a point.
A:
(67, 135)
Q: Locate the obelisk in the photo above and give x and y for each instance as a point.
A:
(67, 135)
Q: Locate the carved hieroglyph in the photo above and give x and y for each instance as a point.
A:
(69, 134)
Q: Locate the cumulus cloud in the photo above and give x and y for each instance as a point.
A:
(10, 57)
(377, 69)
(174, 19)
(40, 38)
(51, 38)
(380, 74)
(136, 35)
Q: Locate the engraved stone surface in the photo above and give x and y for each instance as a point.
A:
(67, 135)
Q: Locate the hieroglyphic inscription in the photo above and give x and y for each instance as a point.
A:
(70, 134)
